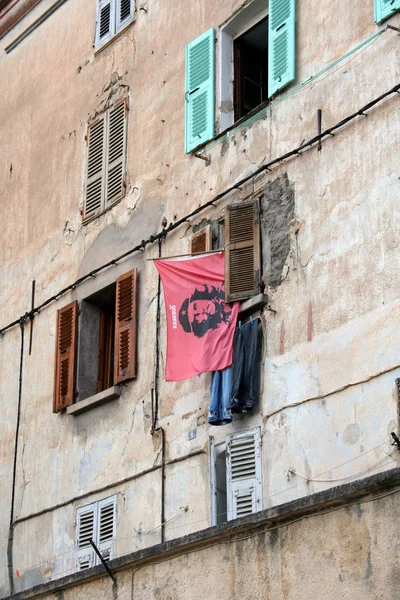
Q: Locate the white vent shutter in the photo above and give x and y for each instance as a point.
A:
(124, 12)
(85, 531)
(105, 22)
(106, 526)
(95, 168)
(116, 153)
(244, 474)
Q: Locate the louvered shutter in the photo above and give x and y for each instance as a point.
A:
(105, 22)
(95, 168)
(199, 91)
(201, 241)
(85, 531)
(65, 365)
(116, 153)
(385, 8)
(125, 328)
(124, 12)
(242, 250)
(244, 474)
(106, 527)
(281, 44)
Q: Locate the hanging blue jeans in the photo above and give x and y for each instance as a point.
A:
(219, 412)
(245, 368)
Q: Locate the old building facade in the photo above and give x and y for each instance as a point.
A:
(132, 130)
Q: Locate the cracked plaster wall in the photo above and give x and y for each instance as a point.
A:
(331, 265)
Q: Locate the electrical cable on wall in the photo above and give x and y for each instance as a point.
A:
(164, 232)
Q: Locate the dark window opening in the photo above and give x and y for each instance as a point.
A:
(250, 53)
(96, 343)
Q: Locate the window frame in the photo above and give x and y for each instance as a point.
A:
(246, 18)
(105, 204)
(116, 25)
(87, 552)
(70, 334)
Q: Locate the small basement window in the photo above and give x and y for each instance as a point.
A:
(250, 57)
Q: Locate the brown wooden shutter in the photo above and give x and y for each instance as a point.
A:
(125, 327)
(201, 241)
(65, 368)
(242, 250)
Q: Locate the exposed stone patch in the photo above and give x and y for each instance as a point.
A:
(277, 213)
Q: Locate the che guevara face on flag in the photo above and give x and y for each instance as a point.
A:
(200, 324)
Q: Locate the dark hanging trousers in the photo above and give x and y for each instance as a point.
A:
(245, 368)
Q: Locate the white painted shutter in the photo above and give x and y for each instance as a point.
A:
(244, 474)
(116, 153)
(95, 168)
(106, 526)
(85, 531)
(124, 12)
(105, 21)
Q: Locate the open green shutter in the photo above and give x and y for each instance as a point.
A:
(385, 8)
(281, 44)
(199, 91)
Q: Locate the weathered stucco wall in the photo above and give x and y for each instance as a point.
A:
(331, 264)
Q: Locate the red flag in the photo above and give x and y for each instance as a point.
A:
(200, 325)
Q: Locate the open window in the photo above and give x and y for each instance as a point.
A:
(236, 476)
(99, 345)
(256, 57)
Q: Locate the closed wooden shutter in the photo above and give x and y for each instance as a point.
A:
(105, 22)
(242, 250)
(125, 328)
(385, 8)
(86, 525)
(95, 168)
(106, 527)
(199, 91)
(201, 241)
(244, 474)
(281, 44)
(116, 153)
(124, 12)
(65, 367)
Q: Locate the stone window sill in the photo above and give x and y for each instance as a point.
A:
(111, 393)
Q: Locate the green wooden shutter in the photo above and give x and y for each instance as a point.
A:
(281, 44)
(199, 91)
(385, 8)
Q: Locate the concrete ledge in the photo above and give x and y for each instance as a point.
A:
(340, 496)
(105, 396)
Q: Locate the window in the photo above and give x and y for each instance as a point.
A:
(106, 142)
(99, 344)
(112, 16)
(236, 476)
(242, 250)
(385, 8)
(250, 57)
(95, 522)
(201, 241)
(256, 60)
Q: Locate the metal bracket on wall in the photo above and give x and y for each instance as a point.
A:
(105, 565)
(396, 440)
(205, 157)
